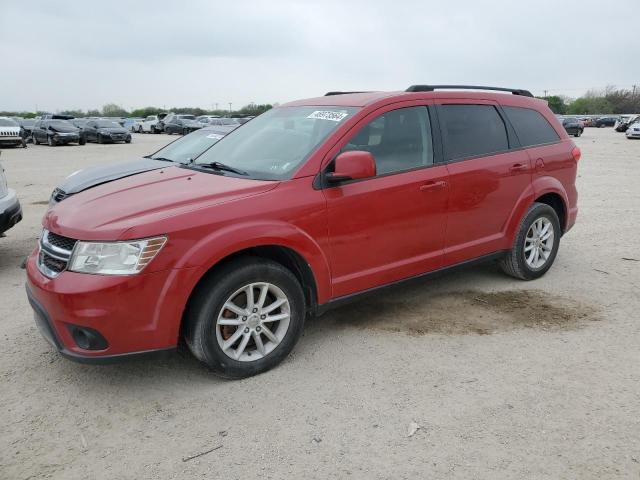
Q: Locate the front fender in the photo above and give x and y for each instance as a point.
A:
(219, 244)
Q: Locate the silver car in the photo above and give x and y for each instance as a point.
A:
(633, 131)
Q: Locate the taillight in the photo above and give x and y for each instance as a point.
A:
(576, 153)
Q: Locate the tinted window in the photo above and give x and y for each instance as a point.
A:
(531, 127)
(398, 140)
(472, 130)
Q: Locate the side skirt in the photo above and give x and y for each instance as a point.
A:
(340, 301)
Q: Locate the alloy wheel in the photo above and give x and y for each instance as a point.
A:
(538, 243)
(253, 321)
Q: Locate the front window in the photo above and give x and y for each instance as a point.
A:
(273, 145)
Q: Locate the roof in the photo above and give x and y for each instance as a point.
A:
(367, 98)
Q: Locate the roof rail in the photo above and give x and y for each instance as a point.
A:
(431, 88)
(329, 94)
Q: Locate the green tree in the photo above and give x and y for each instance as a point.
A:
(113, 110)
(556, 104)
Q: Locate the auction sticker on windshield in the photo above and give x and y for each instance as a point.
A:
(328, 115)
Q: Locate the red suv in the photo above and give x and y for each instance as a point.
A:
(306, 206)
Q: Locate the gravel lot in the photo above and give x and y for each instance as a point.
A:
(501, 378)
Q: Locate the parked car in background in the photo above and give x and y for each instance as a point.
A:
(27, 127)
(223, 121)
(634, 129)
(132, 124)
(205, 119)
(56, 132)
(182, 124)
(11, 133)
(605, 122)
(624, 121)
(587, 121)
(307, 206)
(181, 151)
(10, 210)
(55, 116)
(243, 120)
(106, 131)
(573, 126)
(151, 124)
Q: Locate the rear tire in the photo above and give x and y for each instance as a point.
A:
(35, 140)
(206, 337)
(521, 261)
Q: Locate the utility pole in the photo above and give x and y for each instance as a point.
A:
(216, 105)
(229, 107)
(634, 90)
(545, 94)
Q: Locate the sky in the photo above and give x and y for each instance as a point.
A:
(80, 55)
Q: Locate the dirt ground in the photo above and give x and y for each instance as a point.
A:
(470, 375)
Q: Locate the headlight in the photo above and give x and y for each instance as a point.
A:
(115, 258)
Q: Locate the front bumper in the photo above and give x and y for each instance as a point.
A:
(10, 211)
(67, 138)
(632, 133)
(135, 315)
(11, 140)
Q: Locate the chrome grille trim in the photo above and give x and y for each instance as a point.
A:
(50, 254)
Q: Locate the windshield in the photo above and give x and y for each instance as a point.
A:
(187, 117)
(274, 144)
(185, 149)
(6, 122)
(107, 124)
(61, 123)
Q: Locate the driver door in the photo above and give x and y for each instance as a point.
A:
(391, 226)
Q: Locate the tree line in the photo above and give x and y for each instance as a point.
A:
(114, 110)
(597, 102)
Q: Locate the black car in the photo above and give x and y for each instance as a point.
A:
(573, 126)
(181, 124)
(56, 132)
(605, 122)
(182, 151)
(103, 131)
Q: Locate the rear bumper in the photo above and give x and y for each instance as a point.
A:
(10, 211)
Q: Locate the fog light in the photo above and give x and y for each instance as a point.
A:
(87, 338)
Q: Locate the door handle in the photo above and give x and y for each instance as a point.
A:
(433, 186)
(518, 167)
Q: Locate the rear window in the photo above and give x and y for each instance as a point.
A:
(472, 130)
(531, 127)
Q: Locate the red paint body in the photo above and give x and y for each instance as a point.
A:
(354, 237)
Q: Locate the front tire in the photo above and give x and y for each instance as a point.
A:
(536, 244)
(50, 141)
(99, 139)
(245, 317)
(35, 140)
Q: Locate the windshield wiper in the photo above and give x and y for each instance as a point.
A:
(162, 159)
(220, 167)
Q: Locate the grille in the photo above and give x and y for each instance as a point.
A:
(9, 134)
(55, 253)
(61, 242)
(52, 264)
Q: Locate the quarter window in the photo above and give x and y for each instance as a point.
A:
(398, 140)
(472, 131)
(531, 127)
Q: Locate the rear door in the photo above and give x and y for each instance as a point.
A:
(390, 226)
(488, 174)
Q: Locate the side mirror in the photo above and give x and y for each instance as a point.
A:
(353, 165)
